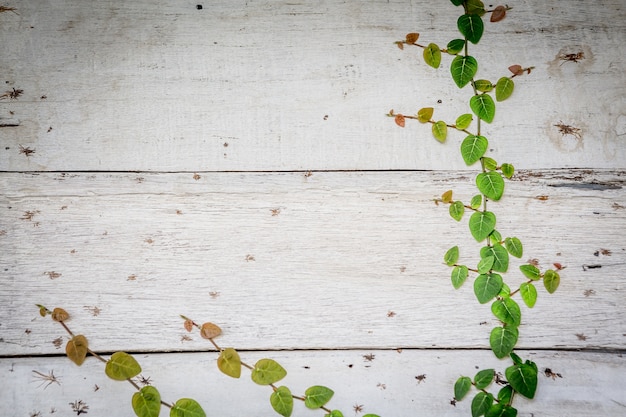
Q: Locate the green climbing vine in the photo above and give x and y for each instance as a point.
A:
(147, 402)
(493, 258)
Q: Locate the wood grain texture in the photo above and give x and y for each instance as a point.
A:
(591, 383)
(274, 85)
(299, 261)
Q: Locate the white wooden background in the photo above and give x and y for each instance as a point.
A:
(234, 164)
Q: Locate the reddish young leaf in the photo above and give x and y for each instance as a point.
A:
(516, 69)
(498, 14)
(188, 325)
(400, 120)
(210, 330)
(412, 37)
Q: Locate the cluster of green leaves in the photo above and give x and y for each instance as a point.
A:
(146, 402)
(493, 260)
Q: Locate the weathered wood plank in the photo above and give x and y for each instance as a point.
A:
(276, 85)
(590, 383)
(292, 260)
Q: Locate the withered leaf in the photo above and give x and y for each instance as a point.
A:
(400, 120)
(412, 37)
(498, 14)
(210, 330)
(516, 69)
(58, 314)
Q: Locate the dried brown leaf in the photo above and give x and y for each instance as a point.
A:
(400, 121)
(210, 330)
(498, 14)
(412, 37)
(58, 314)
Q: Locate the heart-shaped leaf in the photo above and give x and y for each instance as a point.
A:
(502, 340)
(147, 402)
(487, 286)
(471, 26)
(122, 366)
(481, 224)
(523, 378)
(267, 371)
(229, 363)
(473, 148)
(463, 69)
(491, 184)
(282, 401)
(317, 396)
(77, 349)
(186, 407)
(432, 55)
(483, 106)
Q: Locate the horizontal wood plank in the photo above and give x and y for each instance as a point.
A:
(281, 85)
(583, 384)
(298, 260)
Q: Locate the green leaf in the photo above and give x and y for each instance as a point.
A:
(455, 46)
(505, 395)
(501, 410)
(457, 2)
(507, 311)
(491, 184)
(528, 293)
(551, 280)
(475, 7)
(424, 115)
(432, 55)
(456, 210)
(523, 378)
(490, 164)
(473, 148)
(508, 170)
(440, 131)
(463, 69)
(487, 286)
(505, 291)
(461, 387)
(122, 366)
(483, 106)
(282, 401)
(481, 403)
(459, 275)
(229, 363)
(502, 340)
(371, 415)
(451, 256)
(267, 371)
(481, 224)
(471, 26)
(483, 378)
(335, 413)
(514, 246)
(483, 85)
(485, 264)
(499, 254)
(516, 359)
(530, 271)
(147, 402)
(77, 349)
(463, 121)
(495, 237)
(504, 88)
(476, 201)
(317, 396)
(186, 407)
